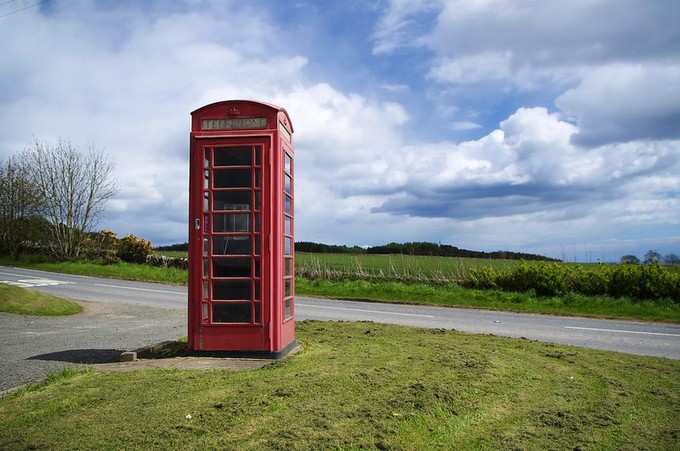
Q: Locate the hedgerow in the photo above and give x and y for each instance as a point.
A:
(552, 279)
(544, 279)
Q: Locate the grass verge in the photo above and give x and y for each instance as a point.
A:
(120, 270)
(411, 293)
(30, 302)
(455, 296)
(364, 385)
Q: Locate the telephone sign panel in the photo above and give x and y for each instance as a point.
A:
(241, 229)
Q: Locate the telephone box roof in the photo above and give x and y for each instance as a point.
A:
(264, 104)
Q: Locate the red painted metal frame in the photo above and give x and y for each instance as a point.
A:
(275, 333)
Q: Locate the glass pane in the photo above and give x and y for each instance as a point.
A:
(289, 308)
(289, 267)
(257, 179)
(233, 156)
(204, 311)
(257, 290)
(206, 267)
(231, 178)
(258, 155)
(287, 183)
(206, 247)
(257, 267)
(257, 312)
(239, 222)
(206, 179)
(257, 222)
(287, 225)
(228, 290)
(206, 294)
(257, 244)
(286, 162)
(206, 201)
(231, 267)
(287, 246)
(206, 223)
(231, 245)
(288, 205)
(231, 200)
(257, 200)
(206, 158)
(231, 312)
(288, 287)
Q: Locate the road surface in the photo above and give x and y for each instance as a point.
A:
(654, 339)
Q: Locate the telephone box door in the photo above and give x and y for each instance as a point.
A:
(233, 236)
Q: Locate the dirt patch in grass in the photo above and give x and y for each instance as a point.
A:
(364, 385)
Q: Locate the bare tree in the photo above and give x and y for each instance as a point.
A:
(19, 205)
(74, 188)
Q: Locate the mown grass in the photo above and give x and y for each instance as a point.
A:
(454, 296)
(29, 302)
(364, 385)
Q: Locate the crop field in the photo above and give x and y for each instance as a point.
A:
(420, 267)
(416, 266)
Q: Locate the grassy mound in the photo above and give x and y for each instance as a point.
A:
(363, 385)
(30, 302)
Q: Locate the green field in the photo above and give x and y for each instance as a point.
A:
(396, 266)
(376, 263)
(30, 302)
(365, 386)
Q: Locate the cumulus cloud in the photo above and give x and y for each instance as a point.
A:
(528, 165)
(613, 64)
(625, 102)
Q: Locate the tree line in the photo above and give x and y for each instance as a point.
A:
(51, 197)
(417, 248)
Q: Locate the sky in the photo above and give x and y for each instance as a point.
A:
(541, 126)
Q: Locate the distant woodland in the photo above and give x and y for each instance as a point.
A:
(414, 248)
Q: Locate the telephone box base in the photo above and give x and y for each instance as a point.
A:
(290, 349)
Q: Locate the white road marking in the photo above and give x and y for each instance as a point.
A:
(28, 283)
(623, 331)
(13, 274)
(367, 311)
(137, 289)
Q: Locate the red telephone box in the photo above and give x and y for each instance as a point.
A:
(241, 246)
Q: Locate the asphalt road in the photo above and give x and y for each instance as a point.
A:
(654, 339)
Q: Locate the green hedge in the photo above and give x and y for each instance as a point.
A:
(551, 279)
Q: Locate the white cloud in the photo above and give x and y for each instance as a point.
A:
(473, 68)
(625, 102)
(127, 81)
(395, 27)
(395, 87)
(465, 125)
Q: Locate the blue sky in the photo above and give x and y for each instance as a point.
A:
(535, 126)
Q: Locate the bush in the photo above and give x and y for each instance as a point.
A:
(134, 250)
(101, 245)
(551, 279)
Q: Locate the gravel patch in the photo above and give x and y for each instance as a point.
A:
(31, 347)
